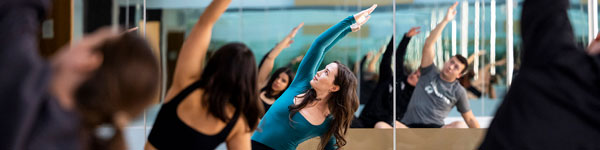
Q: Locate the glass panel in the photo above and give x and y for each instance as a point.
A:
(480, 26)
(261, 24)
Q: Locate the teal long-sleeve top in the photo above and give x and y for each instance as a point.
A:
(275, 129)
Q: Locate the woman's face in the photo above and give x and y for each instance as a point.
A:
(323, 80)
(280, 82)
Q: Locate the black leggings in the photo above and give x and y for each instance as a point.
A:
(260, 146)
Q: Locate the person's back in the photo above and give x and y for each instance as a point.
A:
(380, 106)
(207, 105)
(209, 110)
(184, 121)
(554, 101)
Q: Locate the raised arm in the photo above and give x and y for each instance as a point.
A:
(472, 57)
(267, 63)
(373, 62)
(401, 51)
(361, 67)
(193, 52)
(428, 53)
(324, 42)
(485, 72)
(385, 70)
(313, 57)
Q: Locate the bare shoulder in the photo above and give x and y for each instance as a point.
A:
(241, 127)
(175, 89)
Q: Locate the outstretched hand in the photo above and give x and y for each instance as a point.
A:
(369, 55)
(362, 17)
(295, 30)
(413, 31)
(287, 41)
(451, 12)
(501, 62)
(481, 53)
(297, 59)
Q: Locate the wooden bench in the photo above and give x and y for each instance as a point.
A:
(381, 139)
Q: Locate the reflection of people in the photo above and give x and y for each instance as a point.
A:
(379, 108)
(317, 103)
(59, 104)
(438, 91)
(368, 78)
(279, 81)
(465, 80)
(554, 102)
(206, 106)
(482, 85)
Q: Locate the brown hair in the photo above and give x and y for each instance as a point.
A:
(342, 105)
(269, 89)
(230, 77)
(464, 61)
(126, 81)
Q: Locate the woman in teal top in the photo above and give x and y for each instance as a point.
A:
(325, 100)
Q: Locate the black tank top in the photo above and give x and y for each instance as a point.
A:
(169, 132)
(266, 106)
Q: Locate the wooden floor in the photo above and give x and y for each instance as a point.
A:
(421, 139)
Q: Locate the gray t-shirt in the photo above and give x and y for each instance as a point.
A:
(433, 99)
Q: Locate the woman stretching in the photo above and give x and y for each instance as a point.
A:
(316, 103)
(202, 109)
(274, 86)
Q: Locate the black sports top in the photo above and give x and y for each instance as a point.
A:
(169, 132)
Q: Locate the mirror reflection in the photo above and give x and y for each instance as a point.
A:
(272, 74)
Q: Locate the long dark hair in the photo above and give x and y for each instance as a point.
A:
(342, 105)
(269, 90)
(230, 77)
(126, 81)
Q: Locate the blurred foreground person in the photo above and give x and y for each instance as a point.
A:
(102, 80)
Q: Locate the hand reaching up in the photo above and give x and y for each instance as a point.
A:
(287, 41)
(413, 31)
(451, 12)
(362, 17)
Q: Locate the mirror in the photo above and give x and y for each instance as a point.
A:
(479, 29)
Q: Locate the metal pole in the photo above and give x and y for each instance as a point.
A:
(394, 71)
(509, 42)
(464, 22)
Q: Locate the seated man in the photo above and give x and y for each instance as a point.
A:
(438, 91)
